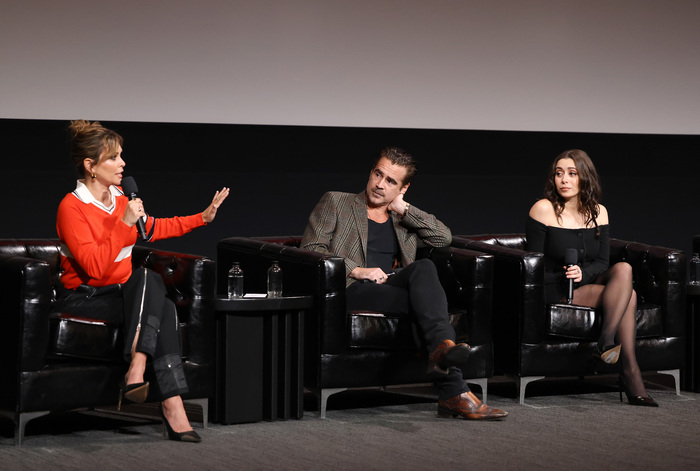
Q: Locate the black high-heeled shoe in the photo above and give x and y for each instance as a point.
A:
(188, 436)
(646, 401)
(135, 393)
(609, 355)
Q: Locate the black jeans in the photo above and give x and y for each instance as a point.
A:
(141, 306)
(414, 290)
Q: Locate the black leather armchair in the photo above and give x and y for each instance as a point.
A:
(367, 349)
(696, 244)
(535, 340)
(55, 362)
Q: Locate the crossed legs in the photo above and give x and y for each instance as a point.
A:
(613, 293)
(415, 290)
(152, 324)
(173, 407)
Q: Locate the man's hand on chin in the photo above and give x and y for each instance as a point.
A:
(398, 205)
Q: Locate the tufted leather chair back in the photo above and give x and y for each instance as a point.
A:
(511, 241)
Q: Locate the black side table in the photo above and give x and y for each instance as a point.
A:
(260, 349)
(691, 371)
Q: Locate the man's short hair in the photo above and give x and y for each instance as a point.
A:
(400, 157)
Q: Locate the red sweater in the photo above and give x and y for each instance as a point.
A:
(95, 243)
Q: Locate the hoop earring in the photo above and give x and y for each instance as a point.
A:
(93, 176)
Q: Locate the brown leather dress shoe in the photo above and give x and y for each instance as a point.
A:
(448, 354)
(468, 406)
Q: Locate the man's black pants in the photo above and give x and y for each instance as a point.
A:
(416, 291)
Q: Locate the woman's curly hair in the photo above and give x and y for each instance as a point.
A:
(589, 186)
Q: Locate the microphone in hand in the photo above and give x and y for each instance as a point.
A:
(131, 191)
(570, 259)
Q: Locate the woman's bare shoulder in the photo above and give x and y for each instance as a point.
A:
(603, 215)
(543, 211)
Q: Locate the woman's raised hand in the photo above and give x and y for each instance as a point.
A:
(210, 213)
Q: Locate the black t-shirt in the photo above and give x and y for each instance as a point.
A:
(381, 245)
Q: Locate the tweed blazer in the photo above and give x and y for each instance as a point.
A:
(338, 226)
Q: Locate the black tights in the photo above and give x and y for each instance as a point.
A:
(613, 293)
(618, 299)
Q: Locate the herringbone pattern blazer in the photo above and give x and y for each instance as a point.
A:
(338, 226)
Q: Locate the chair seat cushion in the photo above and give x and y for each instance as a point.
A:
(581, 322)
(80, 337)
(377, 330)
(72, 336)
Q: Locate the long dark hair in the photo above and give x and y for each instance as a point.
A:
(589, 186)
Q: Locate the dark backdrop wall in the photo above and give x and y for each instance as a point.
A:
(474, 181)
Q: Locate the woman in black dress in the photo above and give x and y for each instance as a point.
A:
(570, 216)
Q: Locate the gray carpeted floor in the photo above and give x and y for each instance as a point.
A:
(563, 425)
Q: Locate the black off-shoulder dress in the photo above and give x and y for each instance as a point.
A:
(593, 254)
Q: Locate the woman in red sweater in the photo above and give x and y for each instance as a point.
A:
(96, 224)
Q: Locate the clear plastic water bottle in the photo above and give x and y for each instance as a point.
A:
(235, 281)
(695, 269)
(274, 281)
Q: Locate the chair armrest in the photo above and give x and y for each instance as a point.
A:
(518, 287)
(25, 304)
(659, 278)
(467, 278)
(190, 282)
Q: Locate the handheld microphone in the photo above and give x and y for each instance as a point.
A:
(131, 190)
(570, 259)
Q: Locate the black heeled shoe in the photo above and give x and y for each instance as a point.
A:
(135, 393)
(646, 401)
(190, 436)
(609, 355)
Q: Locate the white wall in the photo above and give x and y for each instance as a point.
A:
(599, 66)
